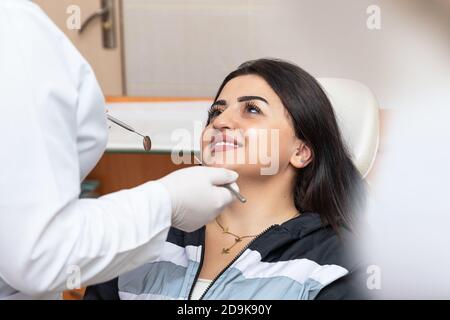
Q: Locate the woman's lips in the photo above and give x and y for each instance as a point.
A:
(223, 146)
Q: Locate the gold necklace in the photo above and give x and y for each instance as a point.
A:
(237, 238)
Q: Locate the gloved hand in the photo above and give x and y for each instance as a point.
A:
(197, 195)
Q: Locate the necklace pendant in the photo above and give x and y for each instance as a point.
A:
(225, 251)
(238, 240)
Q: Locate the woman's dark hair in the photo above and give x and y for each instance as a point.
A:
(330, 184)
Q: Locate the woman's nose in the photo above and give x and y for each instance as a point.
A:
(225, 120)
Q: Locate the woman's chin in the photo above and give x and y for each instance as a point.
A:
(231, 166)
(224, 160)
(239, 168)
(244, 170)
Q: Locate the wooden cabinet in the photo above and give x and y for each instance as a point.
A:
(117, 171)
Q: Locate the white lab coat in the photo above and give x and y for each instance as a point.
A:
(52, 132)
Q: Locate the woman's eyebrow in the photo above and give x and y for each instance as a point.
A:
(248, 98)
(219, 103)
(240, 99)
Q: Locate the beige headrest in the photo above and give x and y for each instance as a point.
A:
(357, 112)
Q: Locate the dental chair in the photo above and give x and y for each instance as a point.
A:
(357, 113)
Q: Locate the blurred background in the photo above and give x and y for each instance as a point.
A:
(184, 48)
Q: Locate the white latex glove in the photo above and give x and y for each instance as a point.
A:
(197, 195)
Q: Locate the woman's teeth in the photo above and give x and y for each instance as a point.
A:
(219, 144)
(223, 146)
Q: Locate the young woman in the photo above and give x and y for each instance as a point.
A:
(292, 238)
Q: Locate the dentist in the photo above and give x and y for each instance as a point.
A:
(53, 131)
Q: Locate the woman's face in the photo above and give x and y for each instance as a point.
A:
(250, 130)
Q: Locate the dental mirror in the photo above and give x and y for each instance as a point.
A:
(147, 142)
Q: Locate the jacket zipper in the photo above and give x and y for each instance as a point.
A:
(202, 257)
(226, 267)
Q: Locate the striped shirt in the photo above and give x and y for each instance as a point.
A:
(302, 258)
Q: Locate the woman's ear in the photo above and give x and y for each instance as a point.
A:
(301, 156)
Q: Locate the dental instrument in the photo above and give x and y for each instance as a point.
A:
(229, 186)
(147, 141)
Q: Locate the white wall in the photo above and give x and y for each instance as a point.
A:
(186, 47)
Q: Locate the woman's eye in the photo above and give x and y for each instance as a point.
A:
(214, 112)
(250, 107)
